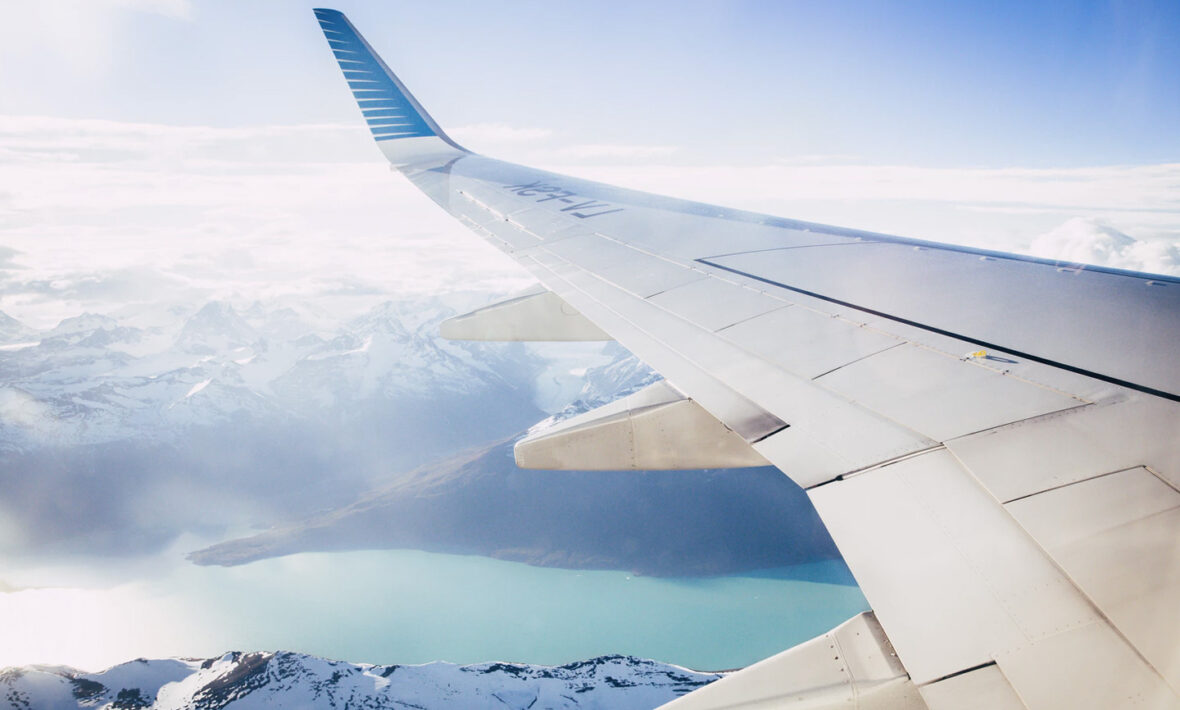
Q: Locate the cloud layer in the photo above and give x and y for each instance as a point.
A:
(1090, 242)
(99, 215)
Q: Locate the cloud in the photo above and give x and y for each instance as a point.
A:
(176, 9)
(827, 158)
(494, 134)
(1088, 241)
(122, 285)
(1148, 187)
(82, 35)
(530, 144)
(615, 151)
(1000, 209)
(7, 258)
(20, 410)
(108, 213)
(33, 140)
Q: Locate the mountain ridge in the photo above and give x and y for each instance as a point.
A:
(282, 679)
(659, 523)
(360, 432)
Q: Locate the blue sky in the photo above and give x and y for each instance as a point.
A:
(212, 147)
(933, 83)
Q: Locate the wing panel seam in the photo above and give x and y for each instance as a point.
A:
(951, 334)
(1096, 476)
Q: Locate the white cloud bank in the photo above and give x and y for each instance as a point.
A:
(81, 35)
(1088, 241)
(615, 151)
(103, 214)
(491, 135)
(99, 215)
(1002, 209)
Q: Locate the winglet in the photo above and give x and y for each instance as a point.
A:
(404, 131)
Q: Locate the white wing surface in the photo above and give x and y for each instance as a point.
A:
(992, 440)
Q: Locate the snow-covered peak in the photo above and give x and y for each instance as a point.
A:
(13, 331)
(85, 323)
(96, 379)
(254, 681)
(388, 317)
(217, 327)
(624, 374)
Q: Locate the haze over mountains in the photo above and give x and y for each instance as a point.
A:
(122, 434)
(119, 437)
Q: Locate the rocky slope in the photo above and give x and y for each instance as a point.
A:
(258, 681)
(664, 523)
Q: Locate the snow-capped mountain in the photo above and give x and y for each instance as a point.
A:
(202, 418)
(622, 375)
(13, 331)
(257, 681)
(96, 379)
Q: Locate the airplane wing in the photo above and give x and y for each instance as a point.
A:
(992, 440)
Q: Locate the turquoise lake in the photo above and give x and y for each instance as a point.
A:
(404, 606)
(413, 607)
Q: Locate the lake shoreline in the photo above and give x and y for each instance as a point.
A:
(411, 607)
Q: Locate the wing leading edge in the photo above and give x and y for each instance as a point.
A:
(992, 440)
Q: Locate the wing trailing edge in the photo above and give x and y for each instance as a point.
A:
(851, 666)
(657, 428)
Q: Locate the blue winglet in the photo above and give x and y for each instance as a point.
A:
(389, 108)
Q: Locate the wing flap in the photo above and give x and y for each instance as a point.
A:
(993, 588)
(981, 689)
(1117, 433)
(1117, 536)
(852, 665)
(657, 428)
(533, 317)
(1085, 668)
